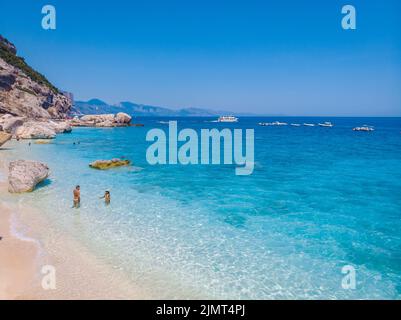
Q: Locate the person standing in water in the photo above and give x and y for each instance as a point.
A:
(106, 197)
(77, 197)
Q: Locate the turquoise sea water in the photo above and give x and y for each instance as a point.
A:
(319, 199)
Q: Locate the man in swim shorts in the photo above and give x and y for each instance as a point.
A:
(77, 197)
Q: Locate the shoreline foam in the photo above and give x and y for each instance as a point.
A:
(290, 242)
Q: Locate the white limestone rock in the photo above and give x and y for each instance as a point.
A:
(24, 175)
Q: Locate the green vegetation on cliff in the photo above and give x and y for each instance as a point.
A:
(11, 58)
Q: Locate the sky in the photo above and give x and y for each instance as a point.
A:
(267, 57)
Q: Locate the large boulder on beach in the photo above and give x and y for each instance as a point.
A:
(123, 118)
(108, 164)
(24, 127)
(35, 130)
(24, 175)
(4, 137)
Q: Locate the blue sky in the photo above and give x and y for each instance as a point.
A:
(280, 57)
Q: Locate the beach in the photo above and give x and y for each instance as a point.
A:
(25, 250)
(181, 232)
(200, 151)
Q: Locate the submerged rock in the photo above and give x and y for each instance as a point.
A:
(24, 175)
(43, 141)
(108, 164)
(4, 137)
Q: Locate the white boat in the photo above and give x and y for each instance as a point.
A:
(364, 128)
(326, 124)
(309, 124)
(227, 119)
(276, 123)
(295, 124)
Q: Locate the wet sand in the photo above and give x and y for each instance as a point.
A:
(18, 268)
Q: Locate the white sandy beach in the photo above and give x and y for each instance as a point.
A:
(29, 242)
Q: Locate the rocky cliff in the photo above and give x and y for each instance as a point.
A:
(26, 92)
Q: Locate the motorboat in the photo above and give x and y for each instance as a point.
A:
(276, 123)
(326, 124)
(227, 119)
(364, 128)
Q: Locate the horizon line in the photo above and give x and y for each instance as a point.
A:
(238, 113)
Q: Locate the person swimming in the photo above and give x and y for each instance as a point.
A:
(106, 197)
(77, 197)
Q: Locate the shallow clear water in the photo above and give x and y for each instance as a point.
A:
(319, 199)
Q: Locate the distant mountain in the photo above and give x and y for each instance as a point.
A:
(96, 106)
